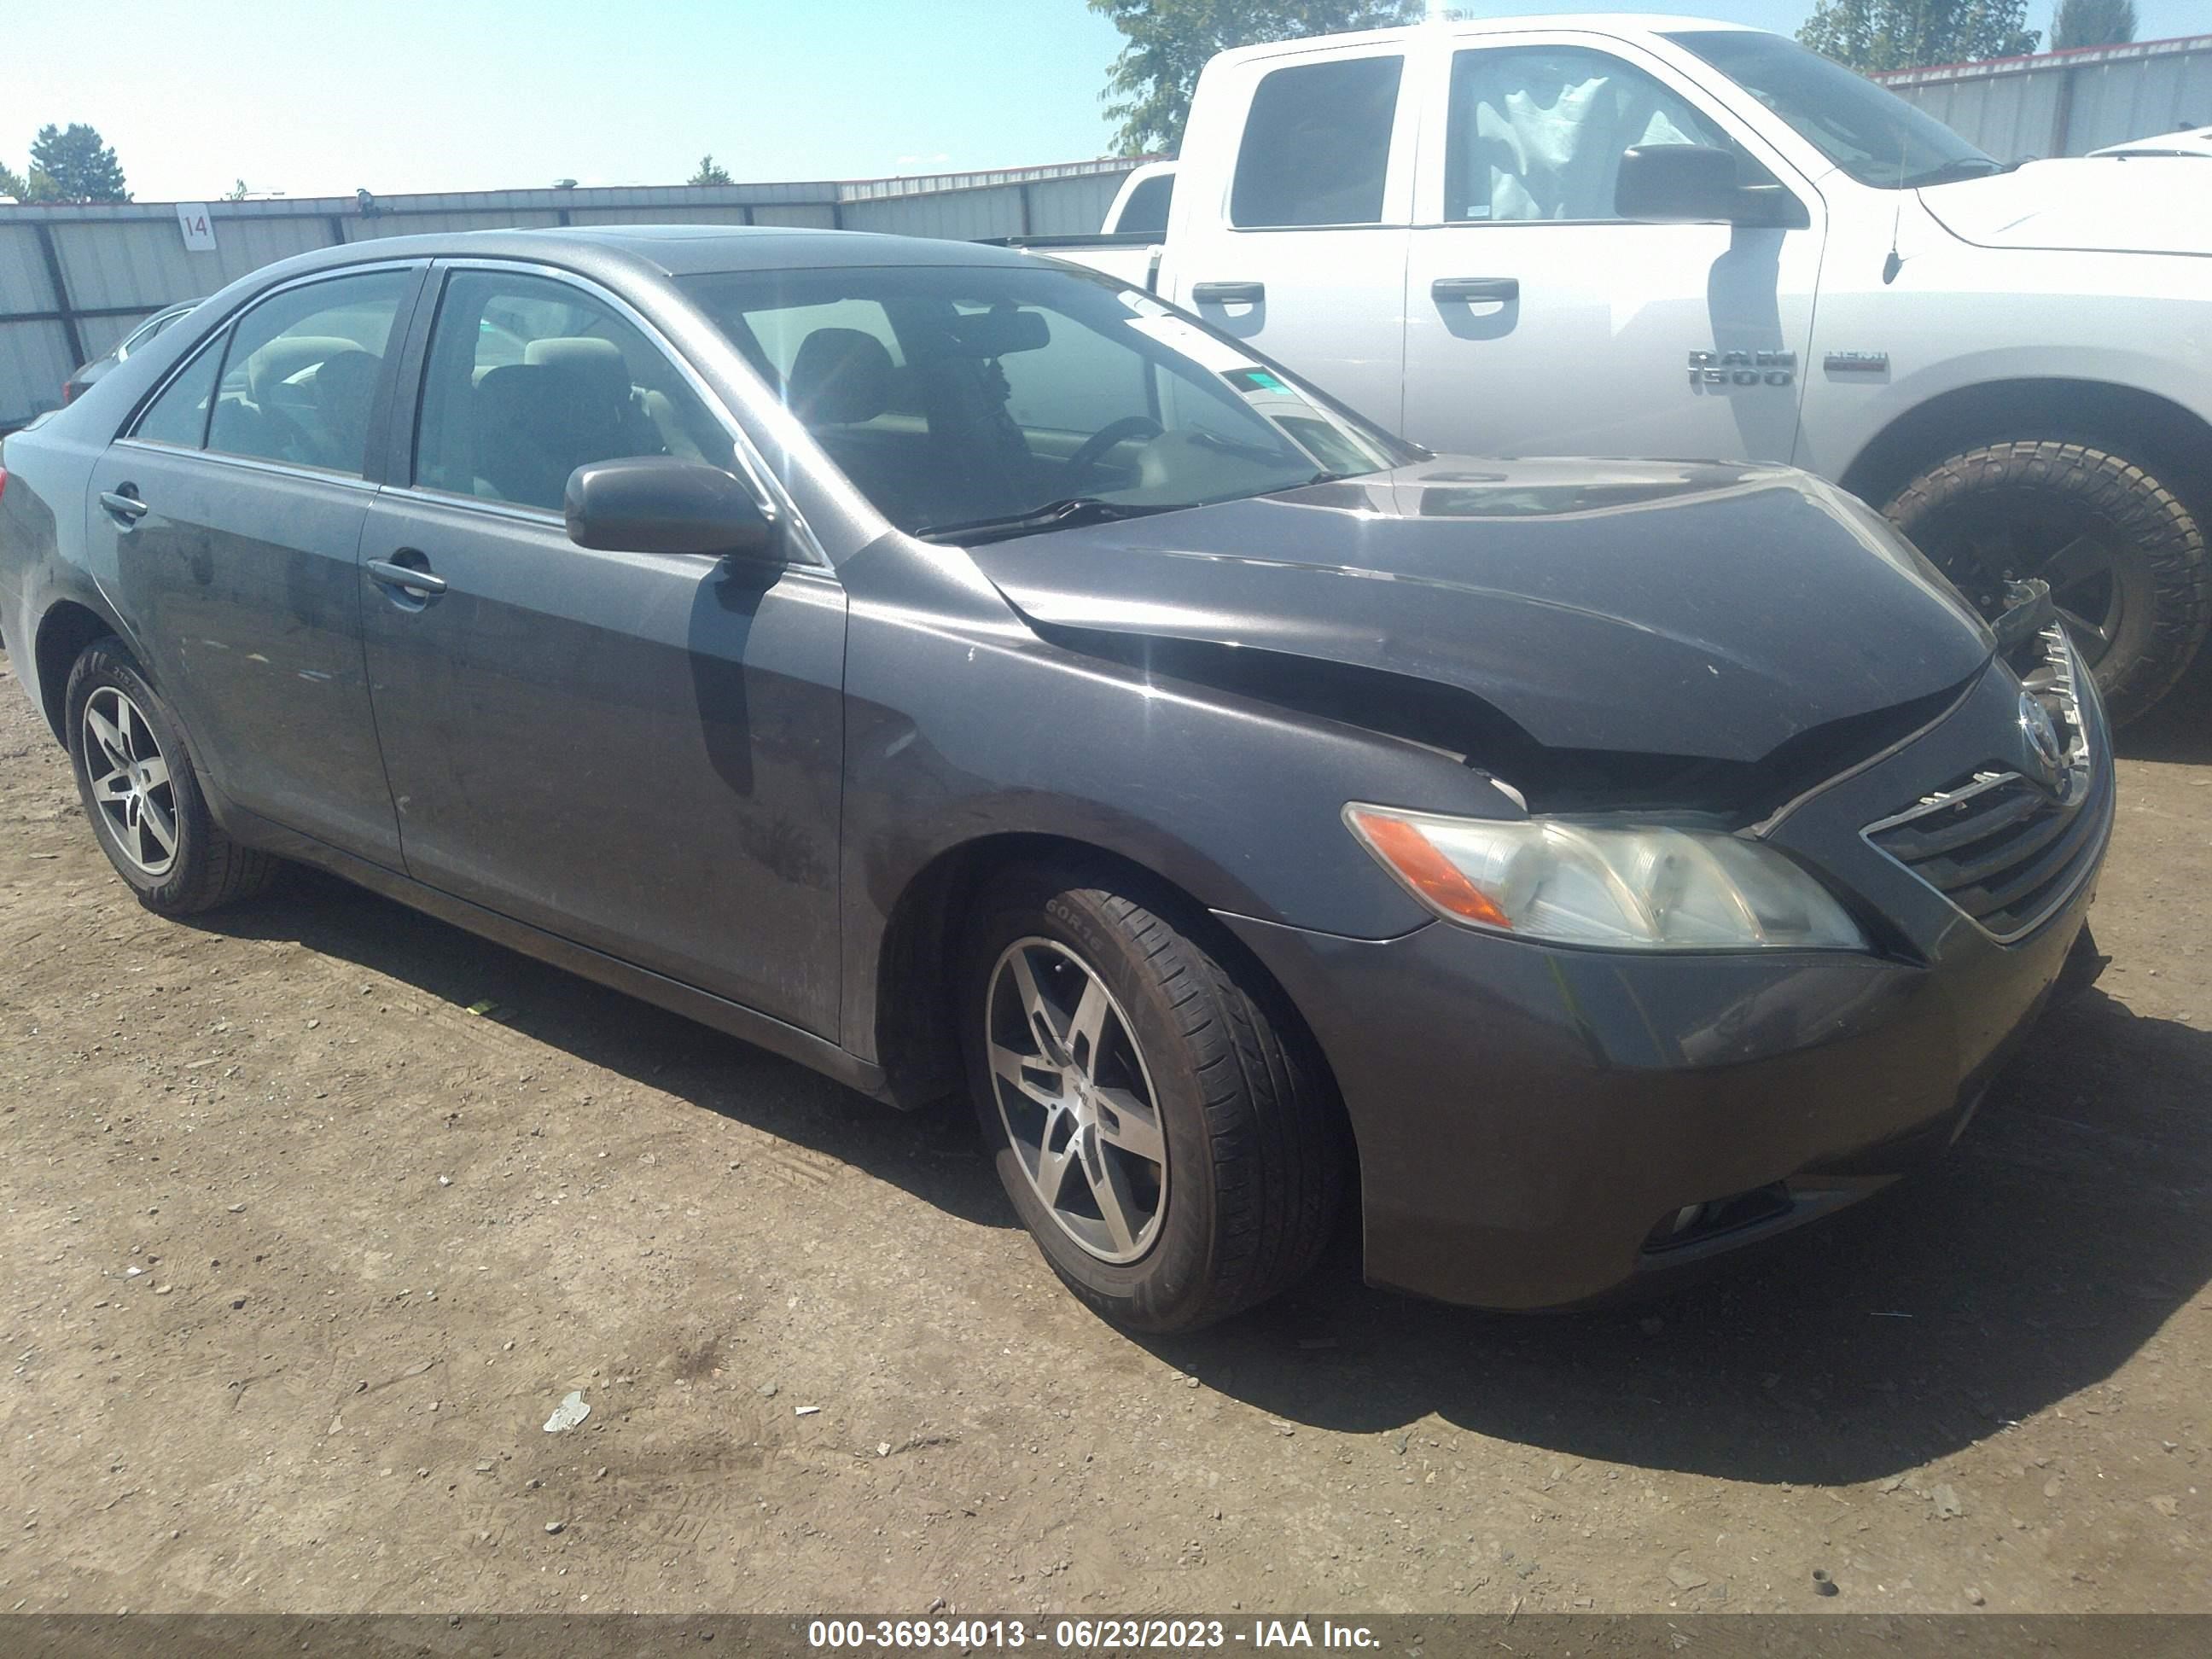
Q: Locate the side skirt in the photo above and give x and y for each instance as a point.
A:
(734, 1019)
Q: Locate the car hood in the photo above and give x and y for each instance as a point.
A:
(2125, 204)
(1669, 608)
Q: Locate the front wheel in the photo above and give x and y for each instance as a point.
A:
(2124, 556)
(143, 797)
(1172, 1146)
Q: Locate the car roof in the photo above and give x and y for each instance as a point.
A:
(669, 250)
(1632, 23)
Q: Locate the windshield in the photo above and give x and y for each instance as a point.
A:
(963, 397)
(1866, 131)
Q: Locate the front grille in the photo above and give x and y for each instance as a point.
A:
(2008, 849)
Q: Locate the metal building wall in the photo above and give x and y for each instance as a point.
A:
(2067, 103)
(119, 262)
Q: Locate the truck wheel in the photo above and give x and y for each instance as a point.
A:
(143, 797)
(2124, 557)
(1172, 1149)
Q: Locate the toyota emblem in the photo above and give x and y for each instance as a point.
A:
(2046, 754)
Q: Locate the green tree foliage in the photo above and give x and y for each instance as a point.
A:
(35, 186)
(711, 172)
(80, 167)
(1149, 89)
(2092, 23)
(1887, 34)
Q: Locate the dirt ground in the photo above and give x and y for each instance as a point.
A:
(302, 1250)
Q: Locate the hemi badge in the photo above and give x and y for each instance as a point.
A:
(1856, 362)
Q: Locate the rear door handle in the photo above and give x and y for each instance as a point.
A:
(1228, 294)
(386, 573)
(123, 504)
(1498, 290)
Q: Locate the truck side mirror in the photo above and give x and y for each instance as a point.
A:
(1693, 182)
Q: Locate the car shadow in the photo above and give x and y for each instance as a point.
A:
(2059, 1235)
(935, 1155)
(2180, 728)
(2064, 1229)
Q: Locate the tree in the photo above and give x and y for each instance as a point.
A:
(1149, 89)
(82, 167)
(711, 172)
(2092, 23)
(1885, 35)
(37, 186)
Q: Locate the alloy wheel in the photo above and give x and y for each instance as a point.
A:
(131, 786)
(1076, 1099)
(2078, 555)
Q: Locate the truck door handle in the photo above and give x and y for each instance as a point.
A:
(416, 582)
(124, 505)
(1501, 290)
(1228, 294)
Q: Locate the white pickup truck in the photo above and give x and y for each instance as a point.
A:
(1629, 235)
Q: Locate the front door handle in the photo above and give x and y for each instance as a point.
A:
(124, 505)
(414, 583)
(1228, 294)
(1501, 290)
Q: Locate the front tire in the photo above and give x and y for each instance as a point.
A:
(2124, 555)
(142, 795)
(1172, 1146)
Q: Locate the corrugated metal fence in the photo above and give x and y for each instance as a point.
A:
(2067, 103)
(74, 280)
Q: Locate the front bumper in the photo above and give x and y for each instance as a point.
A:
(1533, 1120)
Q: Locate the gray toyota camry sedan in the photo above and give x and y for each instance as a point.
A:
(962, 673)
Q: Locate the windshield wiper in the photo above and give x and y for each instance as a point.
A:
(1958, 167)
(1063, 514)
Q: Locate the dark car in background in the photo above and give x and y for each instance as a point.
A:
(959, 671)
(85, 373)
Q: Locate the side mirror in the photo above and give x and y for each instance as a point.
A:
(1668, 182)
(662, 504)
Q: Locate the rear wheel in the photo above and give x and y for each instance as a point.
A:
(2124, 556)
(143, 797)
(1171, 1146)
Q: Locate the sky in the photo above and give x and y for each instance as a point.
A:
(322, 97)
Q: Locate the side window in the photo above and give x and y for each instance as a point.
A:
(302, 371)
(179, 415)
(1537, 132)
(1318, 145)
(1145, 212)
(530, 378)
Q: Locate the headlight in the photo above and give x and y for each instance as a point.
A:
(1620, 890)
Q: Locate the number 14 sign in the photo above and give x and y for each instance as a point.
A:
(199, 229)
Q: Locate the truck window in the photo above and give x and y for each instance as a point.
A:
(1145, 212)
(1538, 133)
(1318, 145)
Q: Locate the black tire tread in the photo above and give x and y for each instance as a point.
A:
(2154, 519)
(1271, 1116)
(221, 871)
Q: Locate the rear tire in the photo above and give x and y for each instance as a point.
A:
(2124, 555)
(135, 778)
(1183, 1053)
